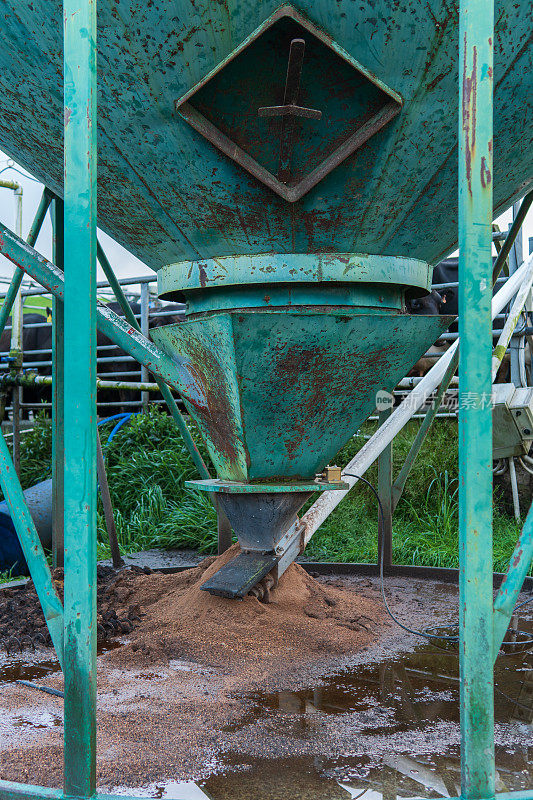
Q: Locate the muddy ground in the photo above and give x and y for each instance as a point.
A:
(165, 715)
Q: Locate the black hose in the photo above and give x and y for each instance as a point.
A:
(423, 634)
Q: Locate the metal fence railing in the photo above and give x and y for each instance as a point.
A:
(113, 365)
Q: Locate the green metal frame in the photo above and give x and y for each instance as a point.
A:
(385, 492)
(80, 397)
(234, 487)
(58, 392)
(73, 629)
(176, 373)
(297, 268)
(32, 549)
(165, 391)
(18, 275)
(476, 31)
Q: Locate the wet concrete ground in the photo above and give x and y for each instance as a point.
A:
(383, 724)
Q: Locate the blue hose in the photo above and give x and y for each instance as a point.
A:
(123, 417)
(115, 416)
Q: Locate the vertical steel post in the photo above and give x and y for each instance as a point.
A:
(15, 350)
(431, 413)
(476, 30)
(516, 256)
(80, 85)
(145, 322)
(58, 395)
(107, 505)
(385, 495)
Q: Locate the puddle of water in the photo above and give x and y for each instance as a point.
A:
(26, 671)
(410, 695)
(418, 687)
(43, 719)
(22, 670)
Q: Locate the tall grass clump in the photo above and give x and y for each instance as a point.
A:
(36, 452)
(147, 466)
(426, 520)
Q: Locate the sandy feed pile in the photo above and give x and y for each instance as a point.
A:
(305, 620)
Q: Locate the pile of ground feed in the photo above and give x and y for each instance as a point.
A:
(163, 716)
(304, 620)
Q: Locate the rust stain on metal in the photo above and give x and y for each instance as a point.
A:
(485, 173)
(203, 275)
(323, 375)
(217, 416)
(469, 111)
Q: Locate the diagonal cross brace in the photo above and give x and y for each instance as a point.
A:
(165, 391)
(32, 549)
(177, 372)
(511, 585)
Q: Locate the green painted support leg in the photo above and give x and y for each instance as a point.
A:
(80, 397)
(399, 484)
(58, 396)
(476, 31)
(107, 505)
(511, 586)
(385, 495)
(518, 221)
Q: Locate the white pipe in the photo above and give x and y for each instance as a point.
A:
(410, 383)
(525, 465)
(322, 508)
(16, 313)
(514, 489)
(513, 318)
(522, 363)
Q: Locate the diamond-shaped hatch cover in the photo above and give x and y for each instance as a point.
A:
(289, 104)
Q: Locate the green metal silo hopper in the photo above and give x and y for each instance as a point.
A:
(291, 362)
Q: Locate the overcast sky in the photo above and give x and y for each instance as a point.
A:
(123, 262)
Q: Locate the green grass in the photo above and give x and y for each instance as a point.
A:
(7, 576)
(426, 523)
(147, 465)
